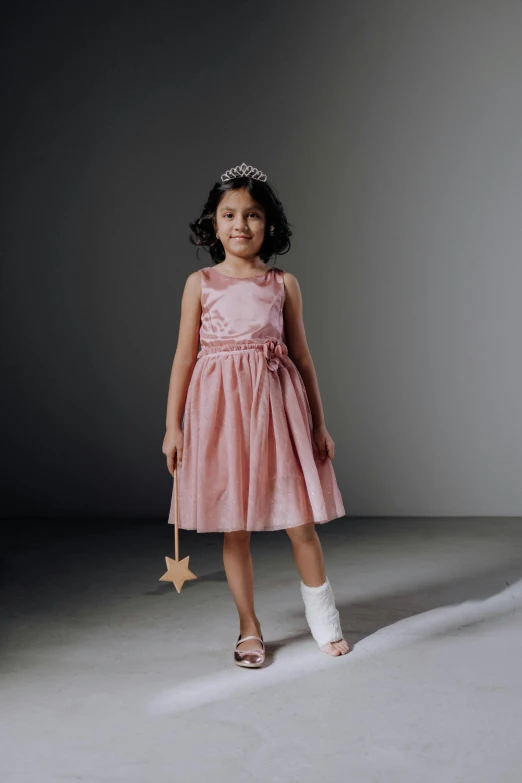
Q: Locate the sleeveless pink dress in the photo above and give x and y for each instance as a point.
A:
(249, 458)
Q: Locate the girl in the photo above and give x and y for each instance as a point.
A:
(253, 449)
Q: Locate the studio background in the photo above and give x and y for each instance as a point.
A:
(391, 132)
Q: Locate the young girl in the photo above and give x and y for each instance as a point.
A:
(253, 449)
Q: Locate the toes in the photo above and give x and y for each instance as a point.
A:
(342, 646)
(336, 648)
(330, 648)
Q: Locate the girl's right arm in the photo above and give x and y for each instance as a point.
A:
(182, 368)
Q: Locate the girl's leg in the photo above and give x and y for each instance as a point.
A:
(309, 559)
(237, 560)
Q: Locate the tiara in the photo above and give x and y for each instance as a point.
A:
(243, 171)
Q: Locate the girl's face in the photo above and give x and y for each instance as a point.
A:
(240, 224)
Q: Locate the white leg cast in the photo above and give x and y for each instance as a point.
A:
(321, 613)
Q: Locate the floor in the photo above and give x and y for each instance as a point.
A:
(108, 674)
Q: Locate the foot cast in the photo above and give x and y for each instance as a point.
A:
(323, 618)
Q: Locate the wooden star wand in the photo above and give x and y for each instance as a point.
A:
(177, 570)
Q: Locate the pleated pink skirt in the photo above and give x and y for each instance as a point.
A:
(249, 460)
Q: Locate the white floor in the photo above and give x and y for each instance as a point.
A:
(108, 674)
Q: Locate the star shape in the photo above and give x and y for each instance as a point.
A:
(177, 572)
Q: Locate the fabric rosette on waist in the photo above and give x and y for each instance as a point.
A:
(275, 352)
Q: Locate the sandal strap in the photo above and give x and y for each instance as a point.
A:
(244, 640)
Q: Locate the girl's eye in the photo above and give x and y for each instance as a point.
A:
(250, 213)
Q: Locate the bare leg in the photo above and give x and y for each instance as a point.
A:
(309, 559)
(237, 560)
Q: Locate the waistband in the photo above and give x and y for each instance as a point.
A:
(275, 351)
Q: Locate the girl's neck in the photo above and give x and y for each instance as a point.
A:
(241, 266)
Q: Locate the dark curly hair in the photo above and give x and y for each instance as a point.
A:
(277, 242)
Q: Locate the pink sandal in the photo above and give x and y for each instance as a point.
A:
(252, 659)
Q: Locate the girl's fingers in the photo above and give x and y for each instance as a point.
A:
(174, 460)
(171, 459)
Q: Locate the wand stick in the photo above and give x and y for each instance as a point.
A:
(177, 570)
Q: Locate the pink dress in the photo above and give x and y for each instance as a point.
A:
(249, 458)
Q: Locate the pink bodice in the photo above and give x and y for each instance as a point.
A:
(243, 314)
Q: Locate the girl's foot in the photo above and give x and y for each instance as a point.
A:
(323, 618)
(336, 648)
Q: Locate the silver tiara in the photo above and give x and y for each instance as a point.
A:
(243, 171)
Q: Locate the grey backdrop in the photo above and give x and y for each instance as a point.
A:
(392, 133)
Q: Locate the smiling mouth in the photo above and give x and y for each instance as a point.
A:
(240, 237)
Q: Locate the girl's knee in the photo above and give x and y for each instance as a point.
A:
(301, 533)
(237, 537)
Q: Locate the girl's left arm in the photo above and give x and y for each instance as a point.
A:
(302, 358)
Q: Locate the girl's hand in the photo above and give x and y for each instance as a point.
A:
(173, 448)
(324, 442)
